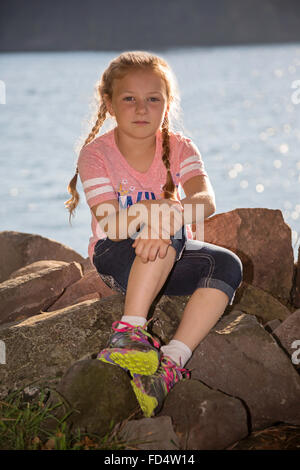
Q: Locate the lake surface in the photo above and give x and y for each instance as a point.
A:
(238, 105)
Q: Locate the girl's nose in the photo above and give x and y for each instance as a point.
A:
(141, 105)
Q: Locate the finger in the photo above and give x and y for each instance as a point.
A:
(154, 251)
(145, 253)
(139, 248)
(163, 250)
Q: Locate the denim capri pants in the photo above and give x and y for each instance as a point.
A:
(197, 264)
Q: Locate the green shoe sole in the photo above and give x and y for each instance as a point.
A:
(147, 403)
(136, 362)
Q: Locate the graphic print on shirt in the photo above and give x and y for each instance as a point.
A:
(127, 198)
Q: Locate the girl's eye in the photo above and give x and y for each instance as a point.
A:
(128, 98)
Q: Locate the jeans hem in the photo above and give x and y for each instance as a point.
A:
(220, 285)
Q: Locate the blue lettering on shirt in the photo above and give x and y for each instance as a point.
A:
(126, 201)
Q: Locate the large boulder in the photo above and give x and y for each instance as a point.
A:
(99, 394)
(206, 419)
(149, 434)
(43, 347)
(296, 285)
(19, 249)
(288, 336)
(32, 290)
(255, 301)
(90, 284)
(262, 240)
(241, 359)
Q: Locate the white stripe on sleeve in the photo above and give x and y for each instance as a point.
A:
(94, 182)
(188, 168)
(97, 191)
(193, 158)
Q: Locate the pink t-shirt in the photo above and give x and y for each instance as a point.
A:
(105, 174)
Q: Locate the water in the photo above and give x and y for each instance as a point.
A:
(238, 106)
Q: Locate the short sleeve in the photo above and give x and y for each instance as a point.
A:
(190, 161)
(94, 177)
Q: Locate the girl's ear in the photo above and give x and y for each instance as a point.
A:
(108, 104)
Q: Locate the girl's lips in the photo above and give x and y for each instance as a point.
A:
(141, 122)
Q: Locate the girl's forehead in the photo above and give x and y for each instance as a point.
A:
(140, 80)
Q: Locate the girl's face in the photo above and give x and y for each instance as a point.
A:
(139, 103)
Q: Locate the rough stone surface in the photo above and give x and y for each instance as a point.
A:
(253, 300)
(271, 325)
(32, 292)
(296, 285)
(19, 249)
(206, 419)
(246, 232)
(90, 283)
(150, 434)
(36, 267)
(239, 358)
(288, 336)
(100, 394)
(43, 347)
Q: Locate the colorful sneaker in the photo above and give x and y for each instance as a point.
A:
(152, 390)
(133, 349)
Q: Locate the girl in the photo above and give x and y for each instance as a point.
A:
(136, 168)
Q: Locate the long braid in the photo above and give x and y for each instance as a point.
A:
(169, 188)
(72, 203)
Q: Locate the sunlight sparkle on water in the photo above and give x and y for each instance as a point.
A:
(277, 163)
(283, 148)
(260, 188)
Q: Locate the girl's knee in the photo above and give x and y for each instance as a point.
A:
(233, 268)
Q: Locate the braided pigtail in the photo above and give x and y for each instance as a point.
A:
(169, 188)
(72, 203)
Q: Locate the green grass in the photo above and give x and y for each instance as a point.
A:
(23, 426)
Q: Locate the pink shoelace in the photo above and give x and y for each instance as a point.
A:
(169, 372)
(135, 330)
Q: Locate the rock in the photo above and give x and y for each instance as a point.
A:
(36, 267)
(296, 283)
(100, 393)
(19, 249)
(271, 325)
(206, 419)
(150, 434)
(28, 294)
(166, 316)
(250, 299)
(288, 336)
(41, 348)
(90, 283)
(87, 265)
(262, 240)
(239, 358)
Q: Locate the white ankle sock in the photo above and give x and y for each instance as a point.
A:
(178, 351)
(133, 320)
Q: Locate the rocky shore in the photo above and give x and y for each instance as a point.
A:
(56, 314)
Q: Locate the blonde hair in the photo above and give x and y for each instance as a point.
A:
(117, 69)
